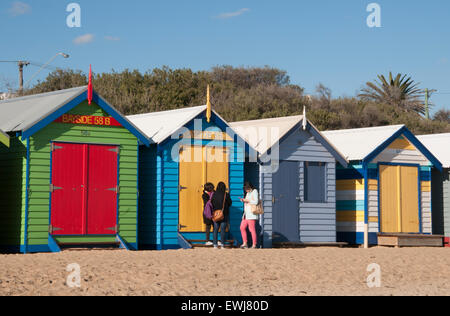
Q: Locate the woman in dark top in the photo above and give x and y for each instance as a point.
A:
(207, 193)
(218, 203)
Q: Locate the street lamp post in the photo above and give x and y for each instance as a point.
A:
(45, 65)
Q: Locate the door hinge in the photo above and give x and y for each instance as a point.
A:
(114, 228)
(53, 188)
(181, 188)
(115, 189)
(114, 150)
(52, 229)
(54, 147)
(273, 199)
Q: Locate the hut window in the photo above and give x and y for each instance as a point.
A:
(315, 180)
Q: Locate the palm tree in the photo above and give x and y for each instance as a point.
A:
(399, 91)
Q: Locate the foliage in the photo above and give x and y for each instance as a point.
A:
(399, 91)
(244, 94)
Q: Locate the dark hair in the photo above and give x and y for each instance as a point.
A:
(221, 187)
(209, 187)
(248, 186)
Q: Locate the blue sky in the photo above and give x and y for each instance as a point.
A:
(315, 41)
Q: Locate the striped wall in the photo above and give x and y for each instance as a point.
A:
(351, 197)
(159, 191)
(446, 201)
(317, 220)
(40, 165)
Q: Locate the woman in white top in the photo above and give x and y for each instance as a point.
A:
(249, 219)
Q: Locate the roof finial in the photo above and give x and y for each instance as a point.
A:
(90, 88)
(208, 106)
(305, 120)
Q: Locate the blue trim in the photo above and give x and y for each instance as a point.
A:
(413, 139)
(123, 244)
(356, 238)
(55, 115)
(121, 119)
(27, 190)
(160, 173)
(78, 100)
(53, 245)
(137, 199)
(183, 242)
(50, 195)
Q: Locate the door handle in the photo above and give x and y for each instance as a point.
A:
(181, 188)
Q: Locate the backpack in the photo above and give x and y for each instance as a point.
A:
(208, 211)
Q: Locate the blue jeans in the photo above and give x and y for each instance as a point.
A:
(223, 229)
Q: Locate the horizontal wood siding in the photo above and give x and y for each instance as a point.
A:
(446, 201)
(12, 193)
(317, 220)
(159, 190)
(40, 157)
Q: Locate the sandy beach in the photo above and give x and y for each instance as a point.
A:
(297, 272)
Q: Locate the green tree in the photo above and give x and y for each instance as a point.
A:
(400, 91)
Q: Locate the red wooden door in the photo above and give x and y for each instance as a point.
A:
(84, 195)
(68, 189)
(102, 190)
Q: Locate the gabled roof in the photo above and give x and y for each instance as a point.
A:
(161, 125)
(263, 142)
(358, 143)
(30, 114)
(364, 144)
(439, 145)
(19, 114)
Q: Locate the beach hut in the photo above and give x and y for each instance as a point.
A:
(386, 189)
(70, 172)
(294, 166)
(439, 145)
(4, 138)
(192, 146)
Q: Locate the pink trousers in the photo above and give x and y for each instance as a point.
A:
(251, 224)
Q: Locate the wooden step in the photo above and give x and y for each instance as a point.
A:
(410, 240)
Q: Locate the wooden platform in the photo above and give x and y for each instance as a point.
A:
(311, 244)
(201, 244)
(410, 240)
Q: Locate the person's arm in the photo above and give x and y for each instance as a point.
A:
(254, 198)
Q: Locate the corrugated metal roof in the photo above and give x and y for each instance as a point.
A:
(439, 145)
(263, 134)
(358, 143)
(18, 114)
(160, 125)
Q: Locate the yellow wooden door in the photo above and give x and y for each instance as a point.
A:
(199, 165)
(399, 199)
(191, 188)
(389, 199)
(410, 199)
(217, 165)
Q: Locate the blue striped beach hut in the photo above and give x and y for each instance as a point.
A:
(386, 189)
(192, 146)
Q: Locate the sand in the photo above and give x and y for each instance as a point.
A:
(209, 272)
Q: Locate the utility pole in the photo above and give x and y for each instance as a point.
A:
(21, 64)
(428, 94)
